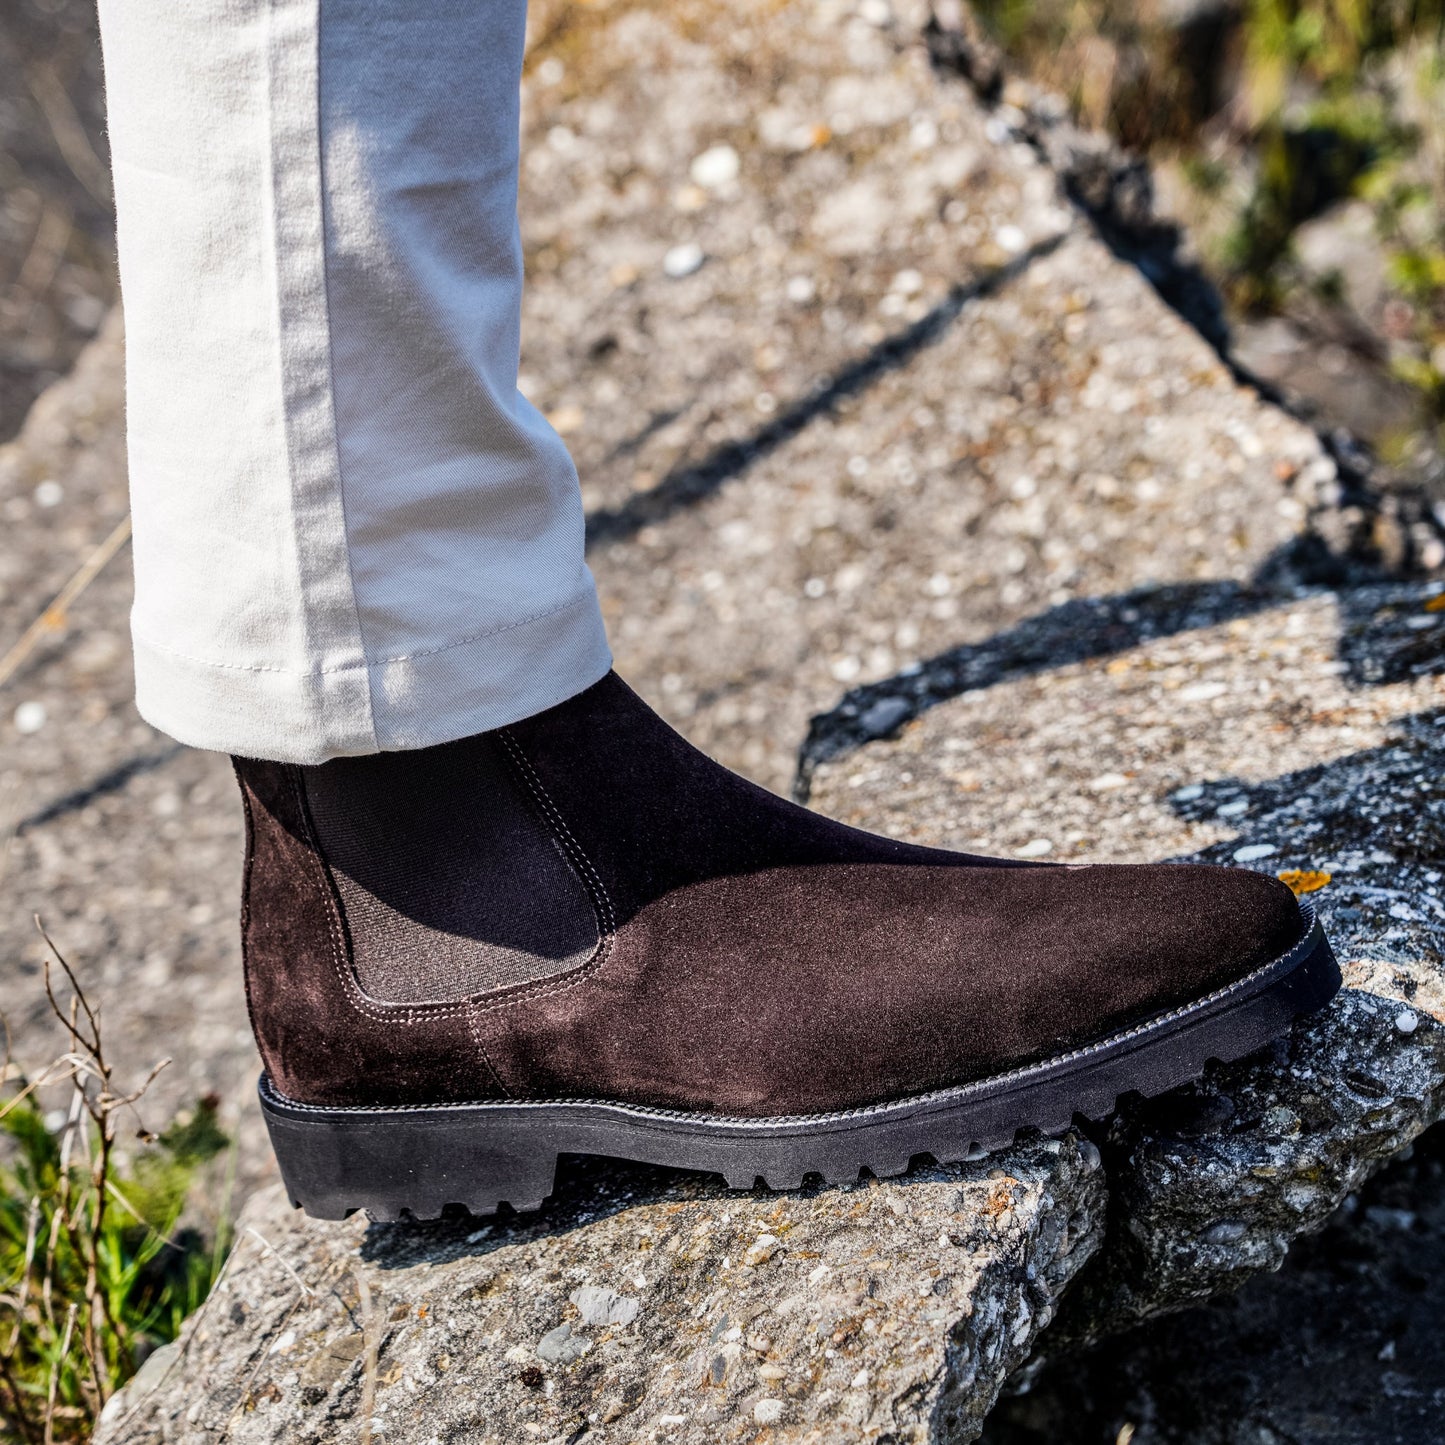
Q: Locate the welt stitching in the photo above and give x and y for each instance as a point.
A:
(602, 903)
(354, 996)
(860, 1112)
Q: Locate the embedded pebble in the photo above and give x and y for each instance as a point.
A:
(884, 715)
(561, 1346)
(601, 1306)
(715, 167)
(30, 717)
(683, 260)
(761, 1250)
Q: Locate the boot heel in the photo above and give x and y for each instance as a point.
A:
(404, 1162)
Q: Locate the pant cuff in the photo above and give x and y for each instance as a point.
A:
(408, 702)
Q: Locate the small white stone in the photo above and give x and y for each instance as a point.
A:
(49, 494)
(860, 1380)
(1011, 238)
(1203, 691)
(768, 1411)
(1189, 794)
(683, 260)
(761, 1250)
(923, 134)
(801, 289)
(1250, 852)
(1232, 810)
(30, 717)
(1407, 1021)
(1107, 782)
(1035, 848)
(599, 1305)
(715, 167)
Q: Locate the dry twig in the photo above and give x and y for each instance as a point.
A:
(53, 618)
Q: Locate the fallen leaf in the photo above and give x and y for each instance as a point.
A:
(1303, 880)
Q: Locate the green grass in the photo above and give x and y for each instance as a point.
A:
(104, 1251)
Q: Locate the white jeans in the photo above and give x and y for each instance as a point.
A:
(352, 533)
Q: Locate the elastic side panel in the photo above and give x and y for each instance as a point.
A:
(450, 882)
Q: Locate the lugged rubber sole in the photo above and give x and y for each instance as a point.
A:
(417, 1160)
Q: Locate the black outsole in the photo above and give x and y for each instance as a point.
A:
(417, 1160)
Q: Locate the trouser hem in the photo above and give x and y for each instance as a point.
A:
(400, 703)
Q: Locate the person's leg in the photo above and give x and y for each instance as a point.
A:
(352, 533)
(536, 921)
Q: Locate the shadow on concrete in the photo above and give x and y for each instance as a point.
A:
(1384, 637)
(108, 782)
(588, 1188)
(685, 486)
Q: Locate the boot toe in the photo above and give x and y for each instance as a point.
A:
(1155, 938)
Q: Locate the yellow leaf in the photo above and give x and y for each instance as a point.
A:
(1304, 880)
(1436, 603)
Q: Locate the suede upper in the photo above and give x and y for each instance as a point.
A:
(751, 957)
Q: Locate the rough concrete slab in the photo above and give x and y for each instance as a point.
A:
(1342, 1346)
(642, 1307)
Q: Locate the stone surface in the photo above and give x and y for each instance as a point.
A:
(642, 1306)
(1341, 1347)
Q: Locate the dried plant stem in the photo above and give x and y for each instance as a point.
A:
(52, 619)
(55, 1374)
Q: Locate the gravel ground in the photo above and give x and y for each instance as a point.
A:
(57, 248)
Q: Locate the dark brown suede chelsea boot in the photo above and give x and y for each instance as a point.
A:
(580, 935)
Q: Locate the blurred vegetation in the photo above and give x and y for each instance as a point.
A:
(101, 1257)
(1274, 112)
